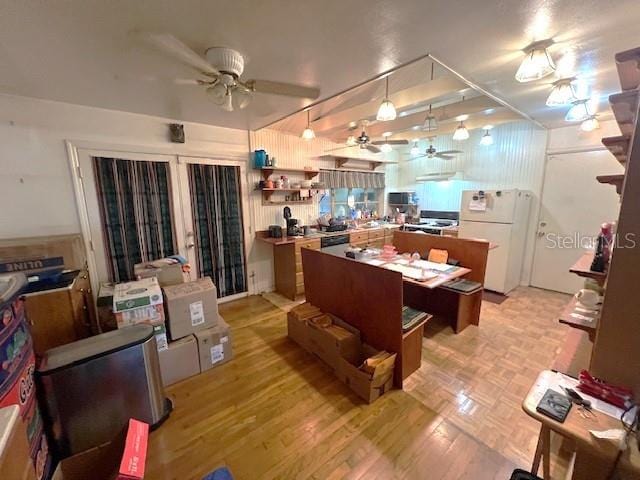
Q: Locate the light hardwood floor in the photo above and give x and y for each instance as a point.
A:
(275, 411)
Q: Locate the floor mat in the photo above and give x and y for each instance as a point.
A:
(493, 297)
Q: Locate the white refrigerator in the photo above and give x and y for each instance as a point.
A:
(502, 218)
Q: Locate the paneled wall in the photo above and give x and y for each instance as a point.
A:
(515, 160)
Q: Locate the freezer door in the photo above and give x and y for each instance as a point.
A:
(499, 206)
(496, 277)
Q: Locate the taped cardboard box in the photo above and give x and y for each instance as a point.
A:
(214, 345)
(339, 340)
(190, 307)
(180, 360)
(138, 302)
(368, 386)
(168, 271)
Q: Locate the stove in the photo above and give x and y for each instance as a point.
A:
(433, 221)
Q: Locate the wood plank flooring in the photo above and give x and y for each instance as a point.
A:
(276, 412)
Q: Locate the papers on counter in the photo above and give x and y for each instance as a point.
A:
(411, 272)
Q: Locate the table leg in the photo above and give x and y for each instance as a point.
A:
(543, 449)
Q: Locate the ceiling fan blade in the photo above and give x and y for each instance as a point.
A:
(391, 142)
(286, 89)
(372, 148)
(444, 157)
(178, 50)
(186, 81)
(447, 152)
(340, 148)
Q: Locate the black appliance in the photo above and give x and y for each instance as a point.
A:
(292, 227)
(438, 215)
(401, 198)
(337, 227)
(275, 231)
(332, 240)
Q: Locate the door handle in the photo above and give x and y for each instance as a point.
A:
(541, 234)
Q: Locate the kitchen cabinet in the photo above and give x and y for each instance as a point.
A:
(287, 266)
(375, 237)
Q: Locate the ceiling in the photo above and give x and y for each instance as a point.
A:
(87, 51)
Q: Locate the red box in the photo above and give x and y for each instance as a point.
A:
(135, 451)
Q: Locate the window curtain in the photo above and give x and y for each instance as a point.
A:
(351, 179)
(135, 210)
(218, 231)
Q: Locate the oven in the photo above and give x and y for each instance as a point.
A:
(333, 240)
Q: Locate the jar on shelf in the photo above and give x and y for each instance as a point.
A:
(285, 181)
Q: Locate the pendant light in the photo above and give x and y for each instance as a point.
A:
(486, 139)
(414, 149)
(590, 124)
(537, 63)
(562, 93)
(387, 110)
(308, 133)
(385, 148)
(578, 112)
(430, 123)
(351, 141)
(461, 132)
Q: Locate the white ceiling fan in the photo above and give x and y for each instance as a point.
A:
(432, 152)
(223, 68)
(364, 141)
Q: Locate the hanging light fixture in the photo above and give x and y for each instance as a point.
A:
(351, 141)
(385, 148)
(590, 124)
(578, 112)
(562, 93)
(486, 139)
(414, 149)
(308, 133)
(461, 132)
(537, 63)
(430, 122)
(387, 110)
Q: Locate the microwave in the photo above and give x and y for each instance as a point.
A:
(401, 198)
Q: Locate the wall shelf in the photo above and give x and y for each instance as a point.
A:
(582, 268)
(589, 325)
(625, 109)
(373, 163)
(268, 171)
(615, 180)
(618, 146)
(628, 63)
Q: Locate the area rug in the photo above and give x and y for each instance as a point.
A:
(493, 297)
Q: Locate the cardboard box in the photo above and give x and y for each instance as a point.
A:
(367, 386)
(190, 307)
(165, 270)
(214, 345)
(124, 458)
(180, 360)
(138, 302)
(330, 344)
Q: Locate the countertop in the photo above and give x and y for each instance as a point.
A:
(263, 235)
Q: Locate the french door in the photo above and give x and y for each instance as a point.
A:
(144, 206)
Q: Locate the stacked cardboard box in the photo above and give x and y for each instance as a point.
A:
(367, 371)
(168, 271)
(200, 338)
(141, 302)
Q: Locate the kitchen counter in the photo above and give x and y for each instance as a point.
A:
(263, 235)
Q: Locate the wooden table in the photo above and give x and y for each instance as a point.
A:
(593, 458)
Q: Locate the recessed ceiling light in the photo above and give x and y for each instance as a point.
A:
(353, 124)
(387, 134)
(537, 63)
(487, 127)
(416, 127)
(462, 118)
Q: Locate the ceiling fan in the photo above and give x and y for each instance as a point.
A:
(364, 141)
(431, 152)
(223, 68)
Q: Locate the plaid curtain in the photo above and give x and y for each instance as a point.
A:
(217, 219)
(351, 179)
(135, 211)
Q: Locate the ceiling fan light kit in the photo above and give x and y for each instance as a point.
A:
(562, 93)
(387, 110)
(537, 62)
